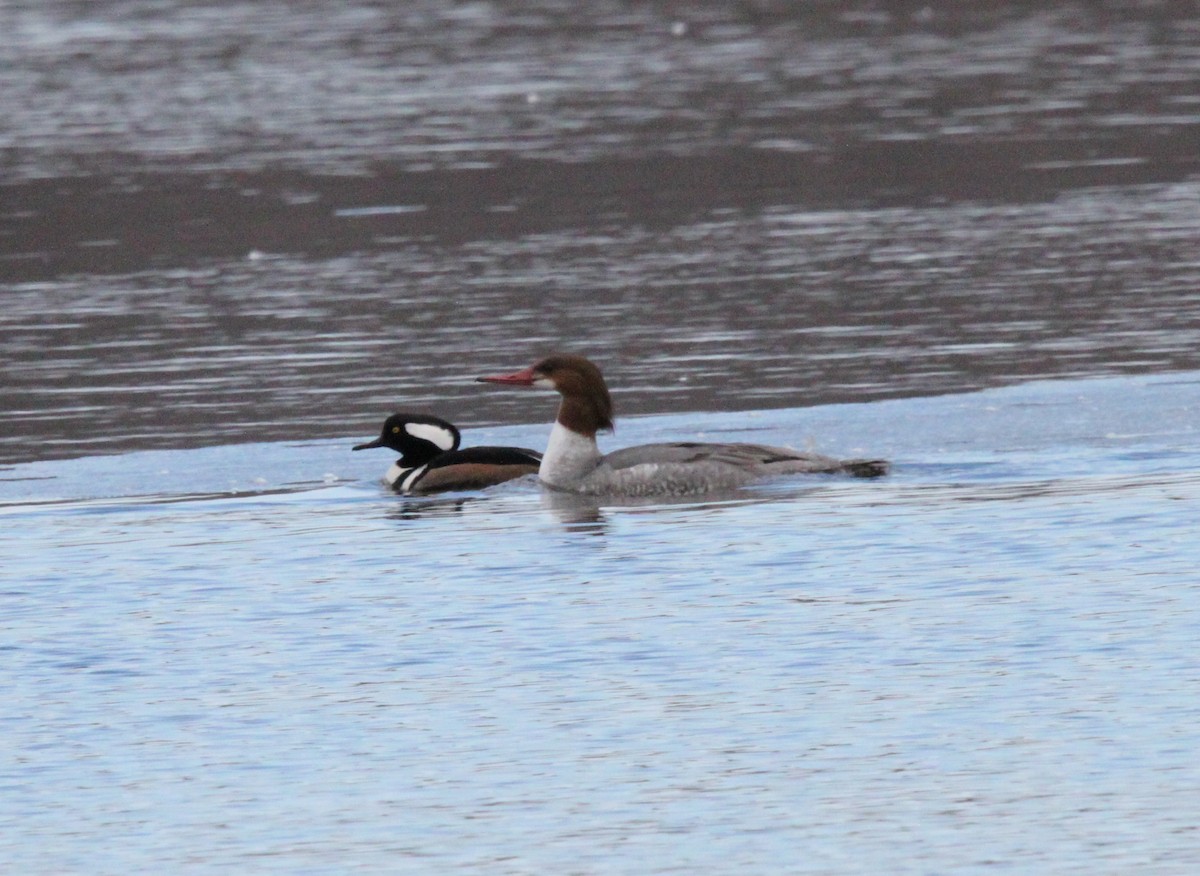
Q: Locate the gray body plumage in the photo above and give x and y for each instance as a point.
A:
(573, 463)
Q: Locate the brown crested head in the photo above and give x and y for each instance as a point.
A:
(586, 406)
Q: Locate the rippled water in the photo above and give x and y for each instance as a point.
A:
(258, 220)
(234, 237)
(781, 308)
(242, 85)
(254, 656)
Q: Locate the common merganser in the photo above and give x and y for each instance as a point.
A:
(430, 461)
(573, 462)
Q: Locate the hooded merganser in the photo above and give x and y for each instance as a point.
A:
(430, 461)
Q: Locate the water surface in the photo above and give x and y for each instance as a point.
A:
(252, 221)
(234, 237)
(255, 656)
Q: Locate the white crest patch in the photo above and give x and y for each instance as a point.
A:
(436, 435)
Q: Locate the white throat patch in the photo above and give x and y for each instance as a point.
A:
(569, 457)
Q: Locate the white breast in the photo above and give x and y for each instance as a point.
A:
(395, 473)
(410, 478)
(569, 458)
(399, 477)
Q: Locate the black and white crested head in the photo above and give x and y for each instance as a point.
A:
(442, 435)
(418, 438)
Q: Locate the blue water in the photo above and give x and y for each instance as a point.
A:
(254, 659)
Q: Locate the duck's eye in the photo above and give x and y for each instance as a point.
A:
(395, 430)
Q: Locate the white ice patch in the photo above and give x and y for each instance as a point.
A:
(436, 435)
